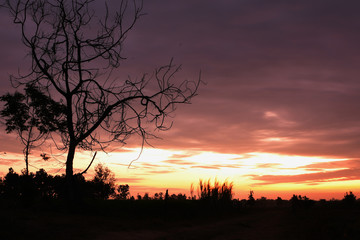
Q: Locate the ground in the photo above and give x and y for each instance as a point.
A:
(181, 220)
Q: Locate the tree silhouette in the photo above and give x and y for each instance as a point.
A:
(349, 199)
(74, 53)
(123, 191)
(251, 199)
(32, 115)
(103, 182)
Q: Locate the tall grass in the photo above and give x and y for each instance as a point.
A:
(216, 191)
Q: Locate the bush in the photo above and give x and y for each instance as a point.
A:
(123, 192)
(349, 199)
(215, 192)
(42, 186)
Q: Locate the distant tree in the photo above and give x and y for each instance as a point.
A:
(298, 201)
(251, 199)
(43, 182)
(138, 197)
(58, 184)
(161, 195)
(349, 199)
(12, 185)
(156, 196)
(73, 54)
(32, 116)
(173, 196)
(123, 192)
(279, 201)
(295, 201)
(103, 182)
(167, 195)
(181, 197)
(146, 197)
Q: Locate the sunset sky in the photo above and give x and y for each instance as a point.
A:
(279, 113)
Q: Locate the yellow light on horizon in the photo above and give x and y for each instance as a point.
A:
(164, 168)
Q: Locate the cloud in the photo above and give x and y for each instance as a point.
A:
(268, 165)
(179, 162)
(184, 155)
(206, 167)
(281, 77)
(149, 165)
(309, 178)
(160, 171)
(284, 66)
(217, 166)
(10, 162)
(129, 180)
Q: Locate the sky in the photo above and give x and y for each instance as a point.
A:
(278, 113)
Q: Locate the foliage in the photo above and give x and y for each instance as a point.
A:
(349, 199)
(104, 182)
(32, 109)
(158, 196)
(299, 202)
(123, 192)
(279, 201)
(32, 116)
(251, 199)
(43, 186)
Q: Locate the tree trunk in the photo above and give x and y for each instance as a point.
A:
(27, 159)
(70, 183)
(27, 149)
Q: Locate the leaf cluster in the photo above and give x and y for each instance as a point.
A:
(32, 109)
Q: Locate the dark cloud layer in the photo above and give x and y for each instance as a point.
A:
(298, 60)
(282, 76)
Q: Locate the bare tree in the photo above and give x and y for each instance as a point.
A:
(73, 54)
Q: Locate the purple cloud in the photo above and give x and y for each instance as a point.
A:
(298, 61)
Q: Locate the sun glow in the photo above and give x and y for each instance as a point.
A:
(159, 169)
(154, 170)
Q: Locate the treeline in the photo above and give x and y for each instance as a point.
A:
(43, 186)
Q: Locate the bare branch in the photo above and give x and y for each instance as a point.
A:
(73, 54)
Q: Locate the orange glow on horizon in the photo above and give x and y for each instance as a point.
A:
(157, 170)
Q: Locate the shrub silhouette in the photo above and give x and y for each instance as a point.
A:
(123, 192)
(43, 186)
(146, 197)
(103, 184)
(298, 201)
(158, 196)
(12, 185)
(279, 201)
(251, 199)
(43, 183)
(349, 199)
(216, 191)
